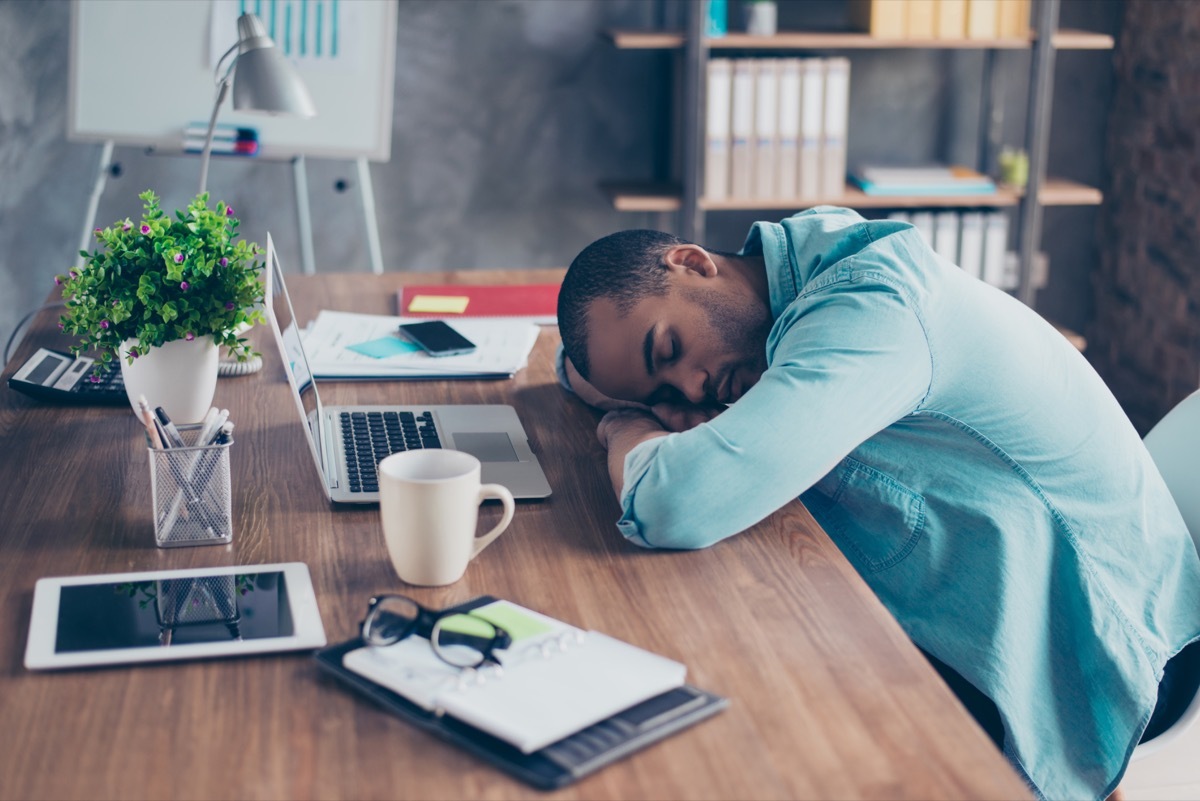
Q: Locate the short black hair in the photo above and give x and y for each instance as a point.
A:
(624, 267)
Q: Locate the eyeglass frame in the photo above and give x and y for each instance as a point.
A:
(427, 623)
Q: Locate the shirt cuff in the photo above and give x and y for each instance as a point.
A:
(637, 463)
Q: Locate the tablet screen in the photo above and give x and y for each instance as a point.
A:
(173, 611)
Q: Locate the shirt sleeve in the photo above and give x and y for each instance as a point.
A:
(845, 363)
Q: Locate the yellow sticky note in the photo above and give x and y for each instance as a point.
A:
(439, 304)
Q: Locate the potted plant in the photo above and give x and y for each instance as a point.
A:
(162, 295)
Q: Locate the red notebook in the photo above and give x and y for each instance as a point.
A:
(536, 301)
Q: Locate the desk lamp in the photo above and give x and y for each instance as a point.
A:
(262, 79)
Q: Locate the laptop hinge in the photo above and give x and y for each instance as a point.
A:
(331, 474)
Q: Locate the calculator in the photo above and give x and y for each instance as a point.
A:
(52, 375)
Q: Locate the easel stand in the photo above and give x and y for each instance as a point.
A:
(303, 212)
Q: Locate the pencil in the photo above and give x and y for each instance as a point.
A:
(148, 421)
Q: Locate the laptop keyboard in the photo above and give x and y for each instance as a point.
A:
(368, 437)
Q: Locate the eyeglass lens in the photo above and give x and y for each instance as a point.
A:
(463, 640)
(390, 620)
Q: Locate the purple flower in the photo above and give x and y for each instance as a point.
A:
(179, 258)
(133, 353)
(229, 306)
(126, 226)
(116, 303)
(97, 232)
(95, 379)
(145, 229)
(60, 326)
(224, 262)
(73, 274)
(190, 336)
(229, 211)
(58, 280)
(184, 285)
(104, 324)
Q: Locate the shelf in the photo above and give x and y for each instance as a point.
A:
(1061, 192)
(666, 197)
(799, 40)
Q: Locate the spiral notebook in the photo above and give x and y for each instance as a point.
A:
(555, 679)
(541, 702)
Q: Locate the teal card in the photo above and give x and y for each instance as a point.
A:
(383, 347)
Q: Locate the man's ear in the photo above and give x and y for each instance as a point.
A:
(690, 259)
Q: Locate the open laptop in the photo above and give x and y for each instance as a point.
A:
(347, 442)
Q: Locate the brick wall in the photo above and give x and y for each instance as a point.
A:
(1145, 338)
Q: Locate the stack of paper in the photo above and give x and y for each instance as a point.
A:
(368, 346)
(934, 180)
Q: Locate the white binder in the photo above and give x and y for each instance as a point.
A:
(741, 154)
(923, 222)
(995, 245)
(970, 244)
(766, 128)
(716, 134)
(812, 117)
(945, 235)
(788, 154)
(835, 127)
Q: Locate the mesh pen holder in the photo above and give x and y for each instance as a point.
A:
(192, 494)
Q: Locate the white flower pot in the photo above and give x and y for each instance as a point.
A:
(179, 376)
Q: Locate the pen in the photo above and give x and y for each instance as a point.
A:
(172, 432)
(222, 416)
(148, 421)
(208, 426)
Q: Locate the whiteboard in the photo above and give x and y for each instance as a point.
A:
(141, 71)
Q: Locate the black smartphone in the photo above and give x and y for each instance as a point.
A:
(437, 338)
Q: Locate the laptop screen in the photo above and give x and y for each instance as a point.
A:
(295, 361)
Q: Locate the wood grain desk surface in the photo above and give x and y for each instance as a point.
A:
(828, 697)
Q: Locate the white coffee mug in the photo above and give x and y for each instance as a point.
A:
(429, 501)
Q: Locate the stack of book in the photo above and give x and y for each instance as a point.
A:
(942, 19)
(937, 180)
(776, 128)
(230, 140)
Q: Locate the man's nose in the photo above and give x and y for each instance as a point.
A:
(693, 386)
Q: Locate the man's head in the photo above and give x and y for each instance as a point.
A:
(646, 316)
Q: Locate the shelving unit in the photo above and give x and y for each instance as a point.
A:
(686, 198)
(799, 40)
(654, 197)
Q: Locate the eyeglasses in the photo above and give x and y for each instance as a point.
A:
(460, 639)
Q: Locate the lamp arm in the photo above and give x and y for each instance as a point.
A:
(206, 153)
(222, 90)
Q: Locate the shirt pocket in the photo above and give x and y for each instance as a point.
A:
(874, 519)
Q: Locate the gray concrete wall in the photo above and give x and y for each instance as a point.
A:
(507, 115)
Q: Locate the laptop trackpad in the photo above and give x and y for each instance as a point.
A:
(486, 447)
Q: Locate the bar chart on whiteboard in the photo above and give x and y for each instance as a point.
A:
(314, 33)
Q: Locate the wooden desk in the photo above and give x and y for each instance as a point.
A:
(829, 698)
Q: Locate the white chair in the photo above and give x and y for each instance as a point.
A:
(1174, 444)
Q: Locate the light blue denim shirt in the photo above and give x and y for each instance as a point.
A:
(972, 467)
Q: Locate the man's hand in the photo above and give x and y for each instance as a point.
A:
(673, 416)
(620, 432)
(684, 416)
(592, 396)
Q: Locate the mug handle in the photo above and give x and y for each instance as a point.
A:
(505, 497)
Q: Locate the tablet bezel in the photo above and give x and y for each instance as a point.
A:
(40, 651)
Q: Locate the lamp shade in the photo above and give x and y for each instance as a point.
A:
(263, 80)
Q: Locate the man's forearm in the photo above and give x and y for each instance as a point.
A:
(622, 431)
